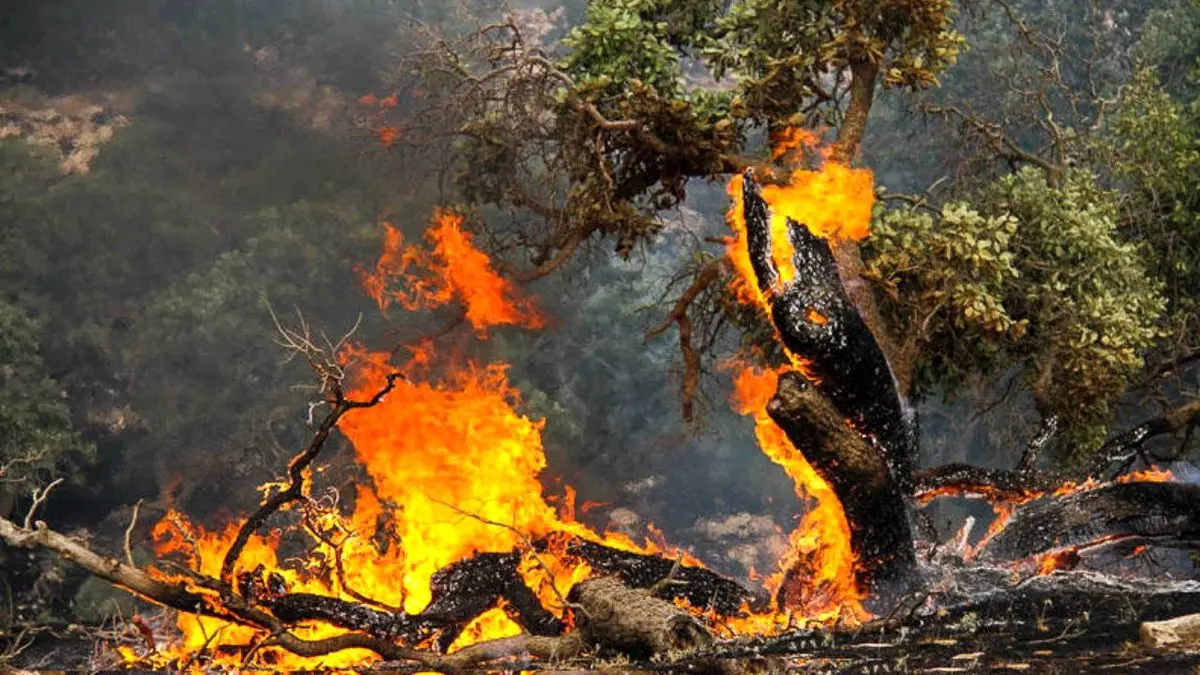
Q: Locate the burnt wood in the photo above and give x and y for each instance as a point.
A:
(849, 419)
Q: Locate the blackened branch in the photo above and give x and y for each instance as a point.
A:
(758, 234)
(339, 406)
(1125, 449)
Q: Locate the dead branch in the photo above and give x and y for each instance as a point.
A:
(1126, 448)
(525, 540)
(993, 135)
(39, 498)
(109, 569)
(129, 533)
(340, 405)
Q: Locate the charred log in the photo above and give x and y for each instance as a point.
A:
(296, 607)
(964, 479)
(850, 423)
(461, 592)
(1126, 448)
(1147, 510)
(700, 587)
(466, 589)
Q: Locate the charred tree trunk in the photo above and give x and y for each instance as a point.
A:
(850, 422)
(858, 474)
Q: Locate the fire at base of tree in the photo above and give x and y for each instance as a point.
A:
(450, 556)
(422, 510)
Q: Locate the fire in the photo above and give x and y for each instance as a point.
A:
(1005, 505)
(822, 541)
(454, 468)
(454, 269)
(835, 202)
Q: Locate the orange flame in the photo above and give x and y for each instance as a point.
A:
(821, 544)
(1005, 506)
(834, 201)
(455, 269)
(454, 471)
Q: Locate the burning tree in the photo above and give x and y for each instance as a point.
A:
(451, 556)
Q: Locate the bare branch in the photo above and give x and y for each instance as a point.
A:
(129, 533)
(39, 498)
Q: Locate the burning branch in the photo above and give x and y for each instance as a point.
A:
(324, 362)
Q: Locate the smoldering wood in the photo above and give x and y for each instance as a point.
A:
(461, 592)
(465, 589)
(963, 479)
(468, 588)
(1126, 448)
(1164, 511)
(849, 421)
(702, 588)
(859, 475)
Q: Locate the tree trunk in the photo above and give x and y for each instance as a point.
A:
(859, 475)
(850, 423)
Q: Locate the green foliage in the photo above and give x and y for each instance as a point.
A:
(1154, 148)
(1030, 274)
(1169, 42)
(213, 334)
(778, 52)
(37, 441)
(623, 41)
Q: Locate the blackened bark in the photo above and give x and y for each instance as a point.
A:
(859, 475)
(1163, 511)
(849, 422)
(461, 592)
(700, 587)
(818, 321)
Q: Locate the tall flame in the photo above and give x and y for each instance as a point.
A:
(821, 543)
(454, 468)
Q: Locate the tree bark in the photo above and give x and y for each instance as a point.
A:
(1162, 511)
(860, 477)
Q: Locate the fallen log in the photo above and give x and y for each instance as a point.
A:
(612, 617)
(702, 588)
(1150, 510)
(1177, 633)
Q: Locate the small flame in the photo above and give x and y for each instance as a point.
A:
(1005, 506)
(455, 269)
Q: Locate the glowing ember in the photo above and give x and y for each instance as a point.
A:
(1005, 505)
